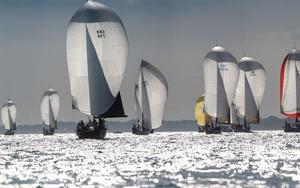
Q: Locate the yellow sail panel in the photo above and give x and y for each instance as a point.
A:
(201, 117)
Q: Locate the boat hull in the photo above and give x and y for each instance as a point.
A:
(98, 133)
(201, 129)
(138, 131)
(288, 128)
(48, 132)
(213, 130)
(240, 129)
(141, 132)
(9, 132)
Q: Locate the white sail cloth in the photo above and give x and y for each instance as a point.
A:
(221, 74)
(290, 85)
(50, 105)
(8, 115)
(151, 93)
(250, 89)
(97, 51)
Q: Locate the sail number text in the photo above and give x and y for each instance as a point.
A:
(101, 33)
(222, 67)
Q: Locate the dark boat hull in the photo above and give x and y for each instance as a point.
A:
(213, 130)
(9, 132)
(289, 128)
(98, 133)
(141, 132)
(240, 129)
(48, 132)
(201, 129)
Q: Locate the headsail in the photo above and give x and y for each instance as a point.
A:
(50, 108)
(138, 108)
(290, 85)
(8, 115)
(201, 117)
(221, 75)
(250, 89)
(97, 51)
(152, 93)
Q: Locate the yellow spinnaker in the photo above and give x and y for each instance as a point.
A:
(201, 117)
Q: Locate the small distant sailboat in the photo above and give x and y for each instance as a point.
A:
(8, 115)
(49, 110)
(249, 93)
(221, 73)
(97, 51)
(200, 116)
(290, 90)
(151, 93)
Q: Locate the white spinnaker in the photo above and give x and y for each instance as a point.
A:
(290, 103)
(221, 74)
(50, 108)
(250, 89)
(97, 51)
(154, 94)
(8, 115)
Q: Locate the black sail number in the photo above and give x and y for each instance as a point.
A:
(101, 33)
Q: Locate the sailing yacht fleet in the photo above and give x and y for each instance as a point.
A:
(97, 55)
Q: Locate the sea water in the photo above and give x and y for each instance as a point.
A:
(190, 159)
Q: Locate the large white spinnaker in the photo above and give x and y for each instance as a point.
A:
(8, 115)
(50, 108)
(290, 85)
(152, 94)
(250, 89)
(97, 51)
(221, 74)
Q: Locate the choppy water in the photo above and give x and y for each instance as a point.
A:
(160, 160)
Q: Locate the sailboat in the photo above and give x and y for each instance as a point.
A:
(290, 90)
(97, 51)
(249, 93)
(200, 116)
(151, 93)
(221, 73)
(8, 115)
(49, 110)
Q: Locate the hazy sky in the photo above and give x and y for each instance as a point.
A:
(174, 35)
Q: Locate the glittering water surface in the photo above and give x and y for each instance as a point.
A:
(262, 159)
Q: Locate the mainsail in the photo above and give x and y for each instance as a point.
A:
(97, 51)
(151, 94)
(8, 115)
(201, 117)
(290, 85)
(250, 89)
(221, 74)
(50, 108)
